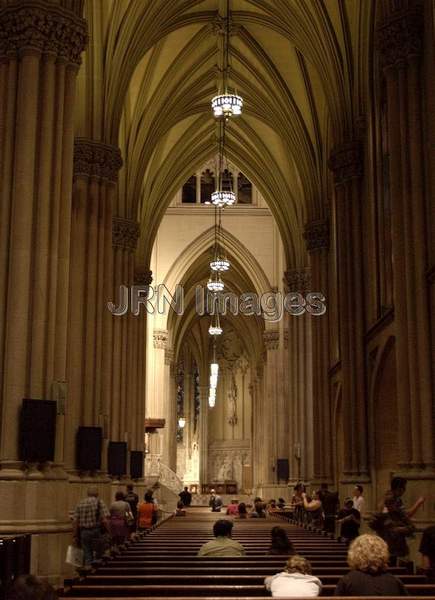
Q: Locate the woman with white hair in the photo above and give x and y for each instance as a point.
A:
(368, 560)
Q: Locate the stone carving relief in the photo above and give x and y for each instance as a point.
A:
(95, 159)
(125, 233)
(47, 29)
(227, 464)
(346, 162)
(160, 338)
(316, 235)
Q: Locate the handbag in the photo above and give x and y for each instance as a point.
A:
(74, 556)
(129, 518)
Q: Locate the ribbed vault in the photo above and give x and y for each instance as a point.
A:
(153, 66)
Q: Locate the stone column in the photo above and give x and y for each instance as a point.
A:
(300, 356)
(90, 323)
(203, 435)
(258, 433)
(170, 412)
(317, 241)
(125, 234)
(346, 162)
(400, 43)
(270, 414)
(156, 405)
(144, 279)
(40, 48)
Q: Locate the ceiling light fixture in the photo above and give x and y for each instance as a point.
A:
(226, 104)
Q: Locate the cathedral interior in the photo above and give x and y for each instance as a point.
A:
(110, 161)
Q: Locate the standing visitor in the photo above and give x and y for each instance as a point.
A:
(90, 518)
(120, 518)
(185, 496)
(358, 499)
(349, 519)
(147, 512)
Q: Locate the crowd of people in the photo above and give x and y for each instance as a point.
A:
(98, 529)
(369, 555)
(368, 559)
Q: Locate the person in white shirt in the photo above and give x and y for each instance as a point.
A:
(358, 500)
(296, 580)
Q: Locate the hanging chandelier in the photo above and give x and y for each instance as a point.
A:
(214, 372)
(227, 104)
(215, 283)
(223, 198)
(224, 194)
(220, 262)
(215, 326)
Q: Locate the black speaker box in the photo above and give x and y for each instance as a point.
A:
(117, 458)
(37, 430)
(282, 469)
(136, 464)
(88, 448)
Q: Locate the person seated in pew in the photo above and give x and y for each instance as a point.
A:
(281, 503)
(272, 507)
(280, 542)
(222, 545)
(233, 508)
(368, 558)
(295, 581)
(30, 587)
(242, 511)
(349, 520)
(259, 509)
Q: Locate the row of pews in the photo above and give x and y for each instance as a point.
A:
(163, 564)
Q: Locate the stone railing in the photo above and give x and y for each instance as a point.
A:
(154, 468)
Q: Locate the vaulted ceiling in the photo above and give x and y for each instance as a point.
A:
(302, 67)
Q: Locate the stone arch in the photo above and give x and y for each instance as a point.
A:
(383, 413)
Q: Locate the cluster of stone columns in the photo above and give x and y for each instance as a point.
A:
(317, 242)
(346, 162)
(40, 52)
(300, 386)
(400, 49)
(90, 336)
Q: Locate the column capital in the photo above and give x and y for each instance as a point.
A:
(346, 162)
(316, 235)
(144, 277)
(298, 280)
(96, 159)
(400, 37)
(125, 233)
(271, 339)
(160, 338)
(42, 27)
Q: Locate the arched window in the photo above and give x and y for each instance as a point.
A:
(244, 190)
(188, 195)
(207, 186)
